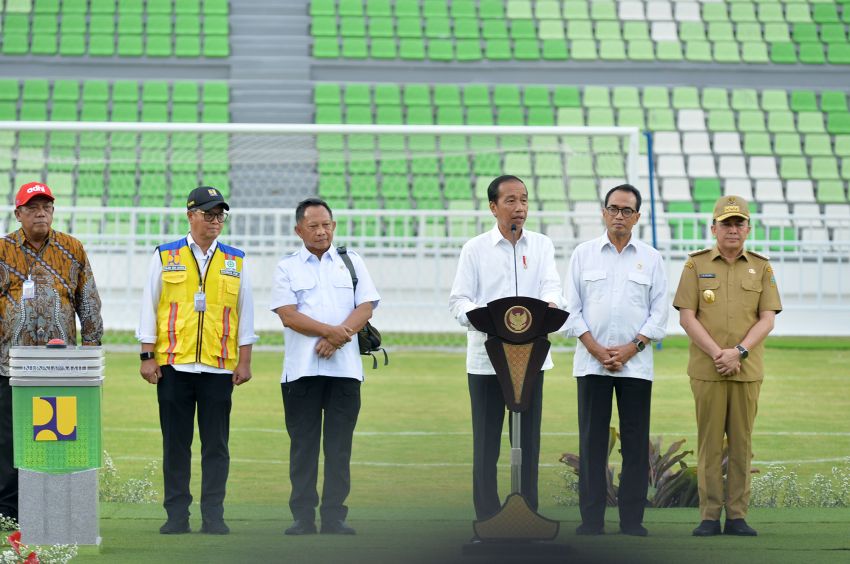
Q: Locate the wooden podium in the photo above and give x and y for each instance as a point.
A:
(517, 344)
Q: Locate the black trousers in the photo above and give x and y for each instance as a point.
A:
(488, 416)
(594, 419)
(178, 394)
(8, 472)
(305, 401)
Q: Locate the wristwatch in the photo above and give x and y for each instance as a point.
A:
(744, 352)
(639, 344)
(146, 356)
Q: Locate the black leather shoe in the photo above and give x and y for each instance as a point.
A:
(300, 527)
(588, 530)
(337, 528)
(634, 530)
(175, 527)
(215, 528)
(738, 527)
(707, 528)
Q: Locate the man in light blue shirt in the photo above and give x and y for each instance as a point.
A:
(321, 311)
(617, 299)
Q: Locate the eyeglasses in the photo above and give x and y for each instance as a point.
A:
(614, 210)
(35, 208)
(210, 217)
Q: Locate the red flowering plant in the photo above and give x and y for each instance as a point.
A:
(19, 553)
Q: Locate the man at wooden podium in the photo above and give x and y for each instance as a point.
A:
(506, 261)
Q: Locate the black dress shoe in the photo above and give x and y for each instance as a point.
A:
(337, 528)
(707, 528)
(301, 527)
(175, 527)
(634, 530)
(738, 527)
(588, 530)
(215, 528)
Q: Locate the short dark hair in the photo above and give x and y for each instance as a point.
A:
(308, 203)
(624, 188)
(493, 189)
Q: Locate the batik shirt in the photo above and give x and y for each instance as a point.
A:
(64, 287)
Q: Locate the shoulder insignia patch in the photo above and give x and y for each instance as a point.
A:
(689, 264)
(758, 255)
(699, 252)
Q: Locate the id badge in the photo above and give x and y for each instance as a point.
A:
(200, 301)
(29, 289)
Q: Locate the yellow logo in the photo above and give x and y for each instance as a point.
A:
(517, 319)
(708, 296)
(54, 418)
(212, 192)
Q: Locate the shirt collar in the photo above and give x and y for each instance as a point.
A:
(21, 238)
(715, 253)
(605, 241)
(304, 254)
(192, 243)
(496, 236)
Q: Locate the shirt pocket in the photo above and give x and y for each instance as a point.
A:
(596, 284)
(709, 292)
(637, 289)
(229, 291)
(303, 286)
(343, 290)
(751, 294)
(171, 280)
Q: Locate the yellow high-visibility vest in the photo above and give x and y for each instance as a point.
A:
(184, 335)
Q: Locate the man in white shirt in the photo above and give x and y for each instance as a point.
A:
(617, 299)
(505, 261)
(322, 312)
(197, 330)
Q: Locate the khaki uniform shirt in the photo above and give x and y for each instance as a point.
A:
(727, 299)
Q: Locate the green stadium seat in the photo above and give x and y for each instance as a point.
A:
(130, 45)
(192, 7)
(698, 51)
(583, 50)
(793, 168)
(216, 46)
(686, 98)
(721, 120)
(720, 31)
(726, 52)
(555, 50)
(825, 13)
(668, 51)
(325, 48)
(186, 46)
(754, 52)
(838, 122)
(350, 26)
(466, 28)
(833, 33)
(786, 145)
(158, 46)
(383, 48)
(102, 45)
(640, 50)
(833, 101)
(825, 168)
(633, 31)
(215, 92)
(707, 190)
(810, 122)
(612, 50)
(758, 144)
(389, 115)
(818, 145)
(43, 44)
(64, 111)
(831, 192)
(780, 122)
(411, 49)
(751, 121)
(803, 101)
(805, 33)
(783, 53)
(839, 53)
(774, 100)
(812, 54)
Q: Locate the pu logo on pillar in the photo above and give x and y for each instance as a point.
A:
(54, 418)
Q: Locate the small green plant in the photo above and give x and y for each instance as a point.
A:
(133, 490)
(17, 552)
(780, 487)
(672, 483)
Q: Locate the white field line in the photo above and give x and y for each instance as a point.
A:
(461, 464)
(469, 433)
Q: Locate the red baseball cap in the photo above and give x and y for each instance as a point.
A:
(31, 190)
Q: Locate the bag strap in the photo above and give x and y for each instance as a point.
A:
(343, 254)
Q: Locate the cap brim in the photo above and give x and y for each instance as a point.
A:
(210, 205)
(37, 195)
(728, 215)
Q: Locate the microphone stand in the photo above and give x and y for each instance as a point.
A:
(516, 416)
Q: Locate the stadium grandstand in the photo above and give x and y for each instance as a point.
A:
(744, 97)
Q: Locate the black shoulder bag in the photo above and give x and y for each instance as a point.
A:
(368, 338)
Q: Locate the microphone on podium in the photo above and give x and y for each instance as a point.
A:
(516, 277)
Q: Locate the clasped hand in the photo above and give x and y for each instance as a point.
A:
(727, 362)
(614, 358)
(335, 338)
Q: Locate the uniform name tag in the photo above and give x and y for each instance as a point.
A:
(173, 267)
(709, 275)
(230, 272)
(200, 301)
(29, 289)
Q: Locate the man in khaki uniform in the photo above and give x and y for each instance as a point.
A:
(727, 301)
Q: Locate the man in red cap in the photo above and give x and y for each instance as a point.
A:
(45, 282)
